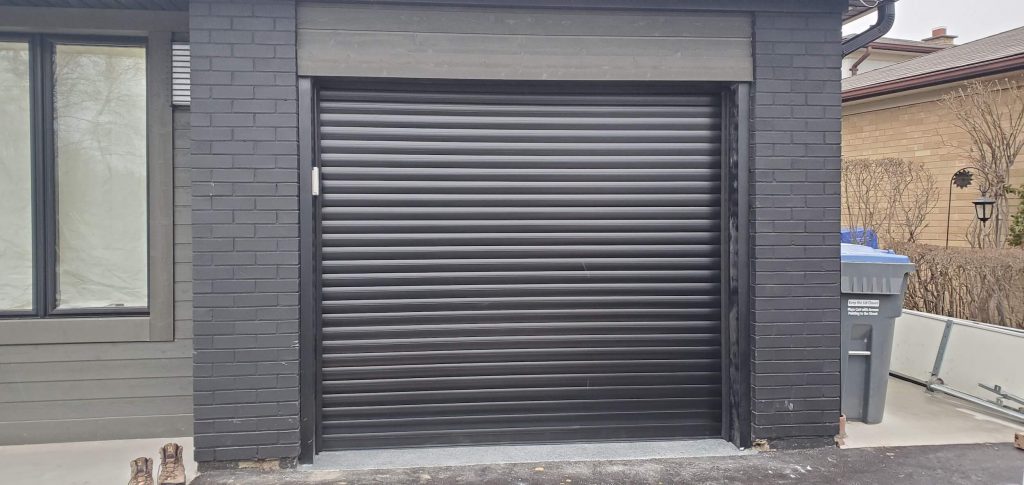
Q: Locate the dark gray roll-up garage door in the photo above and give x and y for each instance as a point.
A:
(519, 263)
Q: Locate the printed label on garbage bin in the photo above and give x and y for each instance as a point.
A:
(862, 308)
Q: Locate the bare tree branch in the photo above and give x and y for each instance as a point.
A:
(992, 115)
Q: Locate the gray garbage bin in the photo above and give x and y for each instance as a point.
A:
(872, 285)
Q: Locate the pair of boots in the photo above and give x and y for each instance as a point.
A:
(172, 468)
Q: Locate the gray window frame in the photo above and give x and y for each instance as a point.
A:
(156, 324)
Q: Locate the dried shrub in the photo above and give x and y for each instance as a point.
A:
(892, 196)
(866, 200)
(984, 285)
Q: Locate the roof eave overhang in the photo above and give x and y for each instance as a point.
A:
(905, 48)
(962, 73)
(855, 12)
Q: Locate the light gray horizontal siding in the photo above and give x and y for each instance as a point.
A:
(74, 330)
(129, 427)
(78, 352)
(95, 369)
(77, 392)
(90, 389)
(103, 21)
(97, 408)
(112, 4)
(489, 43)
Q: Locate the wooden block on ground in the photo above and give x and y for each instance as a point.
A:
(1018, 440)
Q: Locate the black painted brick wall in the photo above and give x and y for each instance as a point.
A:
(795, 228)
(245, 232)
(245, 229)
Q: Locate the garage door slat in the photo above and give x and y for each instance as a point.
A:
(365, 187)
(473, 136)
(518, 263)
(545, 380)
(491, 226)
(594, 212)
(521, 342)
(517, 420)
(524, 251)
(574, 176)
(669, 326)
(516, 277)
(531, 315)
(468, 369)
(354, 164)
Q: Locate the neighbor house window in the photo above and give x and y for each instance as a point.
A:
(73, 156)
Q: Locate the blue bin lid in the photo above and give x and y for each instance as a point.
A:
(855, 253)
(865, 237)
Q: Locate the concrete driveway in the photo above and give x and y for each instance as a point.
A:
(913, 416)
(83, 463)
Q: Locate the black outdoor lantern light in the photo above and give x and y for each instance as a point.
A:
(983, 208)
(964, 178)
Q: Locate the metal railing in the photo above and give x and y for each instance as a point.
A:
(936, 384)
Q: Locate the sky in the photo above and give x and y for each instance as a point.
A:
(967, 19)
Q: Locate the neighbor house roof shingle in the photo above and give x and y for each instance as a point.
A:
(894, 40)
(1006, 44)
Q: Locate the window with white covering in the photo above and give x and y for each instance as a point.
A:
(74, 227)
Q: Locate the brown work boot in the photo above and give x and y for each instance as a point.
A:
(142, 472)
(172, 467)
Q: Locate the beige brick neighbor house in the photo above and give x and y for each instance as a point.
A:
(895, 111)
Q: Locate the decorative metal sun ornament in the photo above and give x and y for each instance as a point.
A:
(963, 178)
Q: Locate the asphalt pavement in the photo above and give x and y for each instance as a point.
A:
(991, 464)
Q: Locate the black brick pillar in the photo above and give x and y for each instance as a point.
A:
(245, 229)
(794, 229)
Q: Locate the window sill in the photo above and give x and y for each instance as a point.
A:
(34, 331)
